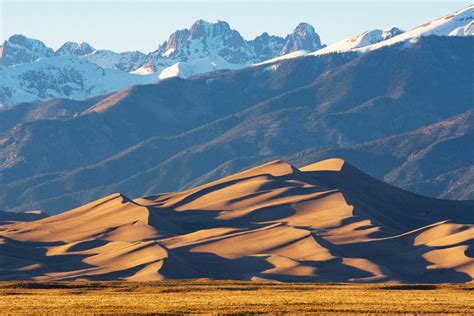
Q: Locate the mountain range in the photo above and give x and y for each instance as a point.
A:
(401, 111)
(32, 71)
(202, 39)
(325, 222)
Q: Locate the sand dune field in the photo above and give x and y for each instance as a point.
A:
(326, 222)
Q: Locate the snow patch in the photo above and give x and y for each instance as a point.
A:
(199, 66)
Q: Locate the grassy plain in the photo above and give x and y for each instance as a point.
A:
(232, 297)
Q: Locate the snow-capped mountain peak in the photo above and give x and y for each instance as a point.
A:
(204, 39)
(304, 30)
(361, 40)
(304, 37)
(20, 49)
(202, 28)
(459, 23)
(72, 48)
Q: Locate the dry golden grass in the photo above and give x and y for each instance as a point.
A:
(231, 297)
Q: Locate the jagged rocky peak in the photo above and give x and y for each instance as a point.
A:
(19, 49)
(267, 46)
(202, 28)
(72, 48)
(304, 37)
(173, 43)
(204, 39)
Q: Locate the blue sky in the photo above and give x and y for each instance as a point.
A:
(144, 24)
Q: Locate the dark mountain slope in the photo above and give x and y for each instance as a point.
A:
(436, 159)
(168, 108)
(51, 109)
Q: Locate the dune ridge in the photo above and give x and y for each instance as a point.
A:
(325, 222)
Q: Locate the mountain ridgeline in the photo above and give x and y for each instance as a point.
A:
(202, 39)
(402, 113)
(32, 71)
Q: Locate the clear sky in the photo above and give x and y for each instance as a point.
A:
(144, 24)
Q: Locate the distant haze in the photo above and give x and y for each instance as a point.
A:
(144, 24)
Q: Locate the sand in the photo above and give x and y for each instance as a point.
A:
(326, 222)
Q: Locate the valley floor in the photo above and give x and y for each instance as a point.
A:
(231, 297)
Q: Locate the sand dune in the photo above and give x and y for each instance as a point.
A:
(324, 222)
(11, 217)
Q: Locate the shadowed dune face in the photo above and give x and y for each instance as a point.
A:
(324, 222)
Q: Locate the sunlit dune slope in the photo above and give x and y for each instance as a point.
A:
(326, 222)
